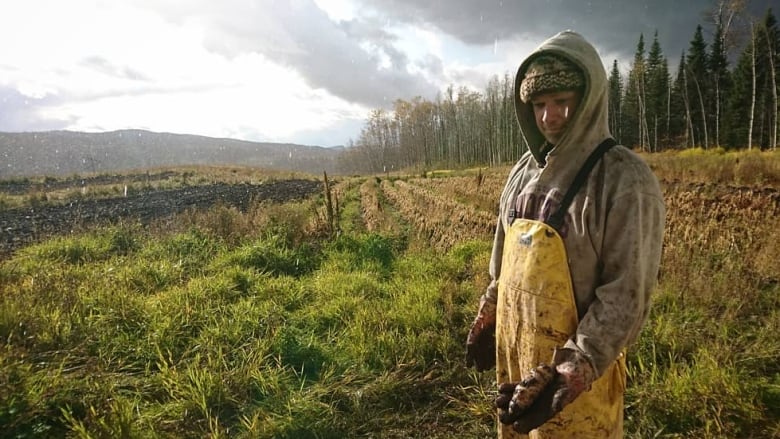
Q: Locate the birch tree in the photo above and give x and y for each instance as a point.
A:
(770, 34)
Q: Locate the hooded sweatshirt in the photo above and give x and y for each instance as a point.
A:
(613, 229)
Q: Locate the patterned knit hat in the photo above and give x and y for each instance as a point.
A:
(548, 73)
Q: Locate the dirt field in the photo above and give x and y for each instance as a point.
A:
(21, 226)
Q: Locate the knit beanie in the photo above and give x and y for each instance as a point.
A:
(549, 73)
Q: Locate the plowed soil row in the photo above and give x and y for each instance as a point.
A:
(21, 226)
(21, 187)
(439, 218)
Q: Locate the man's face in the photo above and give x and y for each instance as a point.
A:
(553, 111)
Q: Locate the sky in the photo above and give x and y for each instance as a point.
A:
(290, 71)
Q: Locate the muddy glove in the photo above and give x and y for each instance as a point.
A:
(481, 342)
(572, 375)
(514, 398)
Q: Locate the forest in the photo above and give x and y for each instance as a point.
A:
(705, 103)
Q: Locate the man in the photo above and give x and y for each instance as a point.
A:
(576, 254)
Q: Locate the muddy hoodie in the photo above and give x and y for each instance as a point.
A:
(613, 229)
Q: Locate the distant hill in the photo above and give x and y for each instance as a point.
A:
(58, 153)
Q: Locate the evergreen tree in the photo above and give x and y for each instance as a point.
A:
(736, 119)
(751, 105)
(680, 123)
(634, 124)
(697, 74)
(615, 101)
(720, 78)
(667, 139)
(656, 92)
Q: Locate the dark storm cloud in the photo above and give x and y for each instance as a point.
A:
(358, 61)
(432, 64)
(333, 60)
(613, 26)
(350, 58)
(345, 58)
(370, 30)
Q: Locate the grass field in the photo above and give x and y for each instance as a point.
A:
(264, 324)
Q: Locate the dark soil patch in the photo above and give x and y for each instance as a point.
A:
(22, 226)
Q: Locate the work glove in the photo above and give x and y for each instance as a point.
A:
(545, 391)
(481, 341)
(515, 398)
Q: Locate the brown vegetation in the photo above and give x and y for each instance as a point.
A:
(444, 221)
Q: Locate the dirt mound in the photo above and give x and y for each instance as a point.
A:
(19, 227)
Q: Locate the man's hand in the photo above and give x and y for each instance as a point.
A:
(572, 374)
(481, 341)
(515, 398)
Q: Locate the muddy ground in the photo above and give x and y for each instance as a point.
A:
(22, 226)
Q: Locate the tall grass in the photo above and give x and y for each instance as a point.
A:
(706, 364)
(717, 166)
(129, 333)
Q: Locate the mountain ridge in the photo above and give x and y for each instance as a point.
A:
(63, 152)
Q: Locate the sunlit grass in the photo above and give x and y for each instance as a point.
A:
(185, 335)
(716, 165)
(257, 324)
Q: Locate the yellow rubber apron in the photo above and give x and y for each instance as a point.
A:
(536, 312)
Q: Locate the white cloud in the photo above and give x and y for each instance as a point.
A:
(248, 96)
(264, 69)
(114, 65)
(338, 10)
(417, 41)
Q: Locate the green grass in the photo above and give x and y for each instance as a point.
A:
(119, 333)
(257, 325)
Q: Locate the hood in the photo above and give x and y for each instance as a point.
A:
(589, 126)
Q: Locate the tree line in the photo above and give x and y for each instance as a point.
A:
(704, 104)
(461, 128)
